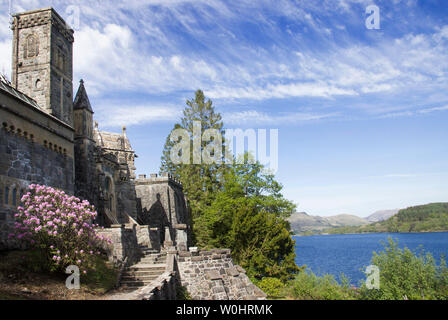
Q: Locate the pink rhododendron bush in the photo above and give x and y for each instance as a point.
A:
(60, 226)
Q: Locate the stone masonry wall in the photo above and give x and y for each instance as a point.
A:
(124, 244)
(20, 158)
(149, 237)
(211, 275)
(23, 162)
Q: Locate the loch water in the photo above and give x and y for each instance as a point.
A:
(349, 253)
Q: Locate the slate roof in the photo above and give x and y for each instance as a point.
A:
(109, 140)
(81, 99)
(5, 86)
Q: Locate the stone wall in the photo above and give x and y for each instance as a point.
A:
(211, 275)
(149, 237)
(163, 205)
(124, 244)
(22, 162)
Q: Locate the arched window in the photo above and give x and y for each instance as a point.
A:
(14, 197)
(107, 185)
(109, 194)
(31, 46)
(6, 195)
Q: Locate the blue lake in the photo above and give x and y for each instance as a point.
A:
(347, 254)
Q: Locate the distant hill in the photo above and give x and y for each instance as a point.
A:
(346, 220)
(425, 218)
(382, 215)
(302, 223)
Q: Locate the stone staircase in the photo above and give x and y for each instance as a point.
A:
(150, 266)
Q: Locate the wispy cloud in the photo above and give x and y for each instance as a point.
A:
(396, 175)
(256, 51)
(258, 118)
(410, 113)
(117, 116)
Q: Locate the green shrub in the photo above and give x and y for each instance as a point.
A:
(103, 276)
(407, 275)
(182, 293)
(271, 286)
(60, 227)
(308, 286)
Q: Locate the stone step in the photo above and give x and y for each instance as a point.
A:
(142, 273)
(149, 251)
(155, 254)
(147, 267)
(135, 283)
(139, 278)
(148, 256)
(152, 260)
(125, 289)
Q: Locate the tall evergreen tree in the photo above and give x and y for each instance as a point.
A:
(200, 181)
(237, 206)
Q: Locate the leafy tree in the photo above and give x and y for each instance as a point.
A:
(237, 206)
(249, 217)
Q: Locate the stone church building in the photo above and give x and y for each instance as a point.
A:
(48, 137)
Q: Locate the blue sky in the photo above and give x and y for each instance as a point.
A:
(362, 114)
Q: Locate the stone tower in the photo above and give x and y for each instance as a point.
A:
(85, 162)
(42, 66)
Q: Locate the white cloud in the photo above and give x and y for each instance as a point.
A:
(167, 47)
(410, 113)
(429, 110)
(5, 57)
(256, 117)
(117, 116)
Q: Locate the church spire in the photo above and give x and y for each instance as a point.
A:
(81, 99)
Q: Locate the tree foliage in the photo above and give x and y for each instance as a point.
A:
(408, 275)
(308, 286)
(200, 181)
(237, 206)
(249, 217)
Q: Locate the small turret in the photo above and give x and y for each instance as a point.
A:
(83, 113)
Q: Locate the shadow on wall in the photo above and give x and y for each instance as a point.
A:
(155, 217)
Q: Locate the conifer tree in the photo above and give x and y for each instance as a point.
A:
(232, 205)
(200, 181)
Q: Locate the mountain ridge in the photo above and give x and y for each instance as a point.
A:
(302, 222)
(431, 217)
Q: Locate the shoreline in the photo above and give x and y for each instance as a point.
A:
(337, 234)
